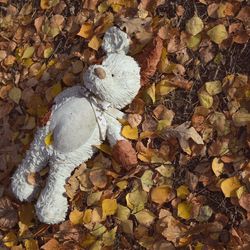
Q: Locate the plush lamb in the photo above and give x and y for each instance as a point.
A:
(81, 117)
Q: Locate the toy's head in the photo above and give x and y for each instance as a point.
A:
(117, 79)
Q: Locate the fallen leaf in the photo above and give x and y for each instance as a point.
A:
(184, 210)
(47, 4)
(95, 43)
(109, 207)
(52, 244)
(8, 215)
(205, 99)
(205, 213)
(93, 198)
(134, 120)
(149, 59)
(161, 194)
(136, 200)
(76, 217)
(98, 178)
(218, 33)
(15, 94)
(213, 87)
(229, 186)
(10, 239)
(48, 140)
(86, 30)
(194, 25)
(183, 133)
(244, 202)
(150, 91)
(146, 180)
(31, 244)
(145, 217)
(217, 166)
(182, 191)
(129, 132)
(122, 212)
(28, 52)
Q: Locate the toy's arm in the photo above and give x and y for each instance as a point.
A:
(123, 152)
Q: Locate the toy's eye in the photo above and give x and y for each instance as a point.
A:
(112, 75)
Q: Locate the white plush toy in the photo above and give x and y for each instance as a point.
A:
(82, 116)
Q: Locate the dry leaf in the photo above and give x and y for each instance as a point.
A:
(145, 217)
(149, 59)
(98, 178)
(161, 194)
(76, 217)
(194, 25)
(8, 215)
(218, 33)
(183, 133)
(124, 154)
(244, 202)
(213, 87)
(31, 244)
(129, 132)
(217, 166)
(184, 210)
(229, 186)
(15, 94)
(86, 30)
(109, 207)
(205, 99)
(52, 244)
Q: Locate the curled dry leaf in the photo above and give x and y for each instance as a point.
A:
(8, 215)
(124, 154)
(183, 133)
(149, 59)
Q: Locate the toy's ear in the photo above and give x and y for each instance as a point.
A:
(115, 41)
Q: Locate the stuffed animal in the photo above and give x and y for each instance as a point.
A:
(81, 117)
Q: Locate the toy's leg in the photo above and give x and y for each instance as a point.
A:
(52, 204)
(36, 158)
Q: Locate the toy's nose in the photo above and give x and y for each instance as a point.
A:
(100, 73)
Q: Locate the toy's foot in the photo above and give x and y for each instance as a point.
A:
(21, 188)
(51, 211)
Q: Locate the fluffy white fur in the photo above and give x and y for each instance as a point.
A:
(81, 118)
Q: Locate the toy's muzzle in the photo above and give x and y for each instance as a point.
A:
(100, 73)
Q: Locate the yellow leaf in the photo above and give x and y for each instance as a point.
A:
(86, 30)
(122, 184)
(31, 244)
(102, 7)
(205, 99)
(194, 25)
(217, 166)
(146, 180)
(229, 186)
(15, 94)
(199, 246)
(129, 132)
(88, 240)
(47, 52)
(145, 217)
(193, 42)
(184, 210)
(28, 52)
(151, 92)
(47, 4)
(53, 91)
(122, 212)
(136, 200)
(87, 216)
(241, 191)
(76, 217)
(213, 87)
(10, 239)
(218, 33)
(48, 140)
(26, 214)
(160, 194)
(104, 148)
(95, 43)
(109, 207)
(163, 88)
(182, 191)
(109, 237)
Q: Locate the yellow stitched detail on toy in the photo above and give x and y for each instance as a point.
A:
(48, 139)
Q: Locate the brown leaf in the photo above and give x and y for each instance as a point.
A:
(52, 244)
(134, 120)
(149, 59)
(244, 201)
(8, 215)
(98, 178)
(124, 154)
(90, 4)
